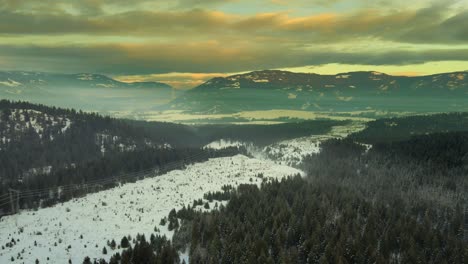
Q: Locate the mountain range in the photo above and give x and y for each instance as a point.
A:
(258, 90)
(353, 91)
(94, 92)
(17, 80)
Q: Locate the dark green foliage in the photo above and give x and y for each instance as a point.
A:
(267, 134)
(223, 195)
(439, 150)
(75, 155)
(296, 222)
(112, 244)
(157, 251)
(399, 202)
(124, 243)
(173, 221)
(402, 128)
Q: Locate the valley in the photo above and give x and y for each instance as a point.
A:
(81, 227)
(269, 96)
(158, 179)
(233, 132)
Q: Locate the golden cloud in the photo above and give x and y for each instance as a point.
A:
(410, 25)
(175, 79)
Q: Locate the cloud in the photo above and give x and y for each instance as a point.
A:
(127, 23)
(435, 24)
(142, 37)
(205, 57)
(175, 79)
(202, 3)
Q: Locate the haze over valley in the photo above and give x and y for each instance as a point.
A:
(233, 131)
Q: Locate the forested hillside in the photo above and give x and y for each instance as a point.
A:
(42, 148)
(36, 139)
(390, 204)
(262, 135)
(45, 147)
(402, 128)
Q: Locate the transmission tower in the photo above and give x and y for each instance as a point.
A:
(14, 201)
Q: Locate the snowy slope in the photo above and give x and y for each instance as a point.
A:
(37, 120)
(291, 152)
(127, 210)
(224, 143)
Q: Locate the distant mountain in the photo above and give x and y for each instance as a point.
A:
(85, 91)
(379, 82)
(16, 80)
(353, 91)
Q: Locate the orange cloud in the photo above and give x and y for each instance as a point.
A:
(175, 79)
(408, 73)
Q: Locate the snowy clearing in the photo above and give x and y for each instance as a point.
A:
(291, 152)
(81, 227)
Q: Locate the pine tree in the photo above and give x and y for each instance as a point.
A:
(113, 244)
(124, 243)
(87, 260)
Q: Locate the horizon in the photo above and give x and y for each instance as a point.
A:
(233, 131)
(184, 43)
(122, 79)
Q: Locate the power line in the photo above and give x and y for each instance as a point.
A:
(128, 176)
(99, 182)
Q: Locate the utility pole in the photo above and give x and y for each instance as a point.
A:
(14, 200)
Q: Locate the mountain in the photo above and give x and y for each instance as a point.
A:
(379, 82)
(44, 147)
(353, 91)
(94, 92)
(34, 137)
(17, 80)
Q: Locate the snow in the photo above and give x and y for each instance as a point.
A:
(67, 125)
(292, 152)
(10, 83)
(105, 85)
(41, 170)
(343, 76)
(260, 80)
(129, 209)
(224, 143)
(344, 98)
(85, 77)
(18, 118)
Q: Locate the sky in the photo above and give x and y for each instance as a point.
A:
(186, 42)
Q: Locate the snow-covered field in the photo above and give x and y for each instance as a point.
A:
(291, 152)
(224, 143)
(81, 227)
